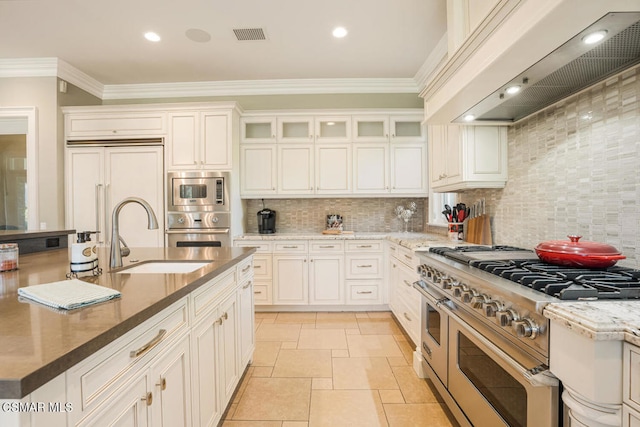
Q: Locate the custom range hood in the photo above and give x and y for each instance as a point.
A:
(569, 69)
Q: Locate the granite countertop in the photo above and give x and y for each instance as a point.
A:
(39, 343)
(408, 240)
(599, 320)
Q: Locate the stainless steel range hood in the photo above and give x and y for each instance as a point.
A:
(569, 69)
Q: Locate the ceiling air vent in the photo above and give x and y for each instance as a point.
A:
(249, 34)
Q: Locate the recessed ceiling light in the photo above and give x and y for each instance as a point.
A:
(339, 32)
(151, 36)
(469, 118)
(512, 89)
(331, 123)
(594, 37)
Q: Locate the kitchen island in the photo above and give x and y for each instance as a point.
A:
(40, 344)
(595, 352)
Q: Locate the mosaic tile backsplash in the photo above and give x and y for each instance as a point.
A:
(363, 215)
(574, 169)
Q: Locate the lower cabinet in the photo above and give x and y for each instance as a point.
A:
(290, 279)
(178, 368)
(404, 299)
(326, 279)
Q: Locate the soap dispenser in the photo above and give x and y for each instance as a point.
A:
(84, 256)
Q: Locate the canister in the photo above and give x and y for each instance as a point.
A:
(8, 256)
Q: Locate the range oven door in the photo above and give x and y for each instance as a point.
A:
(492, 388)
(434, 336)
(197, 238)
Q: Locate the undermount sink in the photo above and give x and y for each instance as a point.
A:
(167, 267)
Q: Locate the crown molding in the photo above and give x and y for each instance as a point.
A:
(50, 67)
(80, 79)
(55, 67)
(259, 87)
(433, 63)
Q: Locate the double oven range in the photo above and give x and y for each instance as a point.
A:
(198, 209)
(485, 341)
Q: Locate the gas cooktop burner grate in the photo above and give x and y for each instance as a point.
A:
(567, 283)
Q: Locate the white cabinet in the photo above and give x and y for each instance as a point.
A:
(409, 168)
(333, 129)
(371, 168)
(404, 299)
(258, 170)
(295, 129)
(326, 273)
(290, 279)
(407, 128)
(114, 124)
(262, 270)
(257, 129)
(200, 140)
(246, 321)
(295, 171)
(98, 178)
(333, 168)
(371, 128)
(465, 157)
(364, 272)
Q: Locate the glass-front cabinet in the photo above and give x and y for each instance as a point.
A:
(333, 129)
(295, 129)
(258, 129)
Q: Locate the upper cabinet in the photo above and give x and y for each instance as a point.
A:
(334, 155)
(200, 140)
(465, 157)
(97, 123)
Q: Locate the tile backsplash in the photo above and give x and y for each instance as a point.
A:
(363, 215)
(573, 169)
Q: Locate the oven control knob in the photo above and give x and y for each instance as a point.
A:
(468, 295)
(215, 219)
(181, 220)
(505, 317)
(479, 301)
(446, 283)
(526, 328)
(491, 308)
(457, 290)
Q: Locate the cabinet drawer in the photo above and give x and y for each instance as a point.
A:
(91, 381)
(261, 246)
(363, 291)
(407, 256)
(359, 246)
(262, 293)
(262, 267)
(326, 246)
(203, 298)
(244, 270)
(409, 319)
(291, 247)
(116, 125)
(364, 267)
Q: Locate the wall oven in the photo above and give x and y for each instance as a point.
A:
(198, 209)
(483, 374)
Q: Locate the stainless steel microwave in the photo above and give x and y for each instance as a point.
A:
(198, 191)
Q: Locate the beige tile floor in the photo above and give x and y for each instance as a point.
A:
(333, 369)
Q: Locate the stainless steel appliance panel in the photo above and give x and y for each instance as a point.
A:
(435, 336)
(209, 238)
(198, 191)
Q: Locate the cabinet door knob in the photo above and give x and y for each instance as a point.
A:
(148, 398)
(162, 384)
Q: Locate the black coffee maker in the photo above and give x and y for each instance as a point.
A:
(266, 220)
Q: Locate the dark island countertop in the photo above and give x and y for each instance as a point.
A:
(39, 343)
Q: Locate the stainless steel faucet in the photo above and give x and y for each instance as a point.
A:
(115, 260)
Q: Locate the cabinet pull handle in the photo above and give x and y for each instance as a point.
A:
(290, 246)
(162, 384)
(257, 292)
(407, 283)
(363, 246)
(406, 316)
(247, 285)
(148, 398)
(244, 270)
(408, 257)
(327, 246)
(365, 266)
(257, 266)
(364, 292)
(148, 346)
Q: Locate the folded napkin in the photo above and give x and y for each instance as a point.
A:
(68, 294)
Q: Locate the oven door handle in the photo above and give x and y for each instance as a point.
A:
(539, 376)
(199, 231)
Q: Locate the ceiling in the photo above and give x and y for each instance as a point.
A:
(387, 39)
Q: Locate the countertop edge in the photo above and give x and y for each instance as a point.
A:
(17, 388)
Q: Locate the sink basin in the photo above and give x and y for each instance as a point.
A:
(160, 267)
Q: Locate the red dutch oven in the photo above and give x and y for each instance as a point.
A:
(574, 253)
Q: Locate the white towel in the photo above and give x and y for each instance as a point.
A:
(68, 294)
